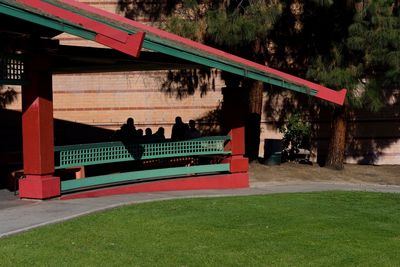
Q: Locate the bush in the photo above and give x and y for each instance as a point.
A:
(296, 136)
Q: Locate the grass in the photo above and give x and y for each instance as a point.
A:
(323, 229)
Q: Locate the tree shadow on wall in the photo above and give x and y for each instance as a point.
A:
(180, 83)
(370, 134)
(210, 123)
(7, 95)
(184, 83)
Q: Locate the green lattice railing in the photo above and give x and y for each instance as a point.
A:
(99, 153)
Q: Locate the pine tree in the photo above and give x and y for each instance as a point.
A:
(366, 62)
(240, 27)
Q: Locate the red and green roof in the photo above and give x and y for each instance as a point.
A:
(129, 37)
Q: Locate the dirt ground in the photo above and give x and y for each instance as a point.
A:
(294, 172)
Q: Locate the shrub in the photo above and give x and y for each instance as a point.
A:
(296, 136)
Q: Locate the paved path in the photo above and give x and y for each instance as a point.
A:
(20, 215)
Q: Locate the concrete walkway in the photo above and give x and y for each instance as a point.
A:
(20, 215)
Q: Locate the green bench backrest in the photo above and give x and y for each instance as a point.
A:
(99, 153)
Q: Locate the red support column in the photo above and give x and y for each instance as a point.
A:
(37, 131)
(239, 164)
(234, 111)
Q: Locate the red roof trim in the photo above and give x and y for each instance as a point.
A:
(122, 41)
(106, 35)
(323, 92)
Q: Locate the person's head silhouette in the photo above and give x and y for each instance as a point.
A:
(148, 132)
(130, 122)
(178, 120)
(192, 124)
(161, 131)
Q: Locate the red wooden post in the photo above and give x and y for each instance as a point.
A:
(234, 110)
(37, 131)
(237, 161)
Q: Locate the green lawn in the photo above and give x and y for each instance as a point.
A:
(322, 229)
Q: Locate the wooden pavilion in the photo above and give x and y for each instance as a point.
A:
(29, 55)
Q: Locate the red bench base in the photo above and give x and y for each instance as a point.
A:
(225, 181)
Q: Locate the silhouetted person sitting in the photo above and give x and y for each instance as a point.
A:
(148, 136)
(139, 134)
(192, 132)
(179, 130)
(128, 130)
(148, 132)
(159, 135)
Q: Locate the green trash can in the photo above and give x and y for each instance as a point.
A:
(275, 159)
(272, 151)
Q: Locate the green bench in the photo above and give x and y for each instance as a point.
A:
(77, 156)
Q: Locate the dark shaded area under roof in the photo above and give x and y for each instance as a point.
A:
(76, 59)
(18, 34)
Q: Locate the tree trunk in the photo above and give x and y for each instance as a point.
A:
(256, 89)
(337, 145)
